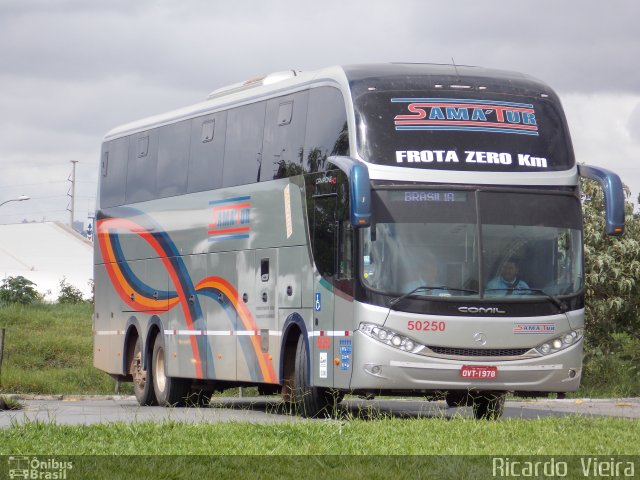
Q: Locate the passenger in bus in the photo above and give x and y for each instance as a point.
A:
(426, 274)
(508, 282)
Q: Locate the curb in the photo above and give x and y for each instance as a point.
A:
(66, 397)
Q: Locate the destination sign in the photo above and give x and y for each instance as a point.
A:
(423, 196)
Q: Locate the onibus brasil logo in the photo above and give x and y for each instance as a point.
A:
(38, 468)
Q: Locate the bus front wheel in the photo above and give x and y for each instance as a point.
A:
(310, 401)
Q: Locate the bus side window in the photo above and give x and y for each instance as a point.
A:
(243, 148)
(207, 152)
(114, 173)
(173, 159)
(332, 233)
(141, 167)
(284, 136)
(344, 277)
(326, 132)
(324, 235)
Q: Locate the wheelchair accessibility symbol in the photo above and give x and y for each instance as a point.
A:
(318, 304)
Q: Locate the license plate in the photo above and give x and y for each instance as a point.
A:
(478, 372)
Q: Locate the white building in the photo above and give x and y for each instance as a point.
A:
(45, 253)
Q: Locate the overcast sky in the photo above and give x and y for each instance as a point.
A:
(70, 70)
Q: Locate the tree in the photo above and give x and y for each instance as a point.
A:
(69, 293)
(612, 271)
(18, 290)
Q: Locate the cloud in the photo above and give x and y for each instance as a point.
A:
(72, 69)
(633, 125)
(578, 46)
(599, 130)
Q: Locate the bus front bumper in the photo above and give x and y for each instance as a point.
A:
(377, 366)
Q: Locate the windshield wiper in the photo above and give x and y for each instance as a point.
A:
(552, 298)
(393, 302)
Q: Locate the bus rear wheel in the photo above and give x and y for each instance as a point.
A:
(170, 391)
(306, 400)
(142, 384)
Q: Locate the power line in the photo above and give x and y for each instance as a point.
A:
(35, 212)
(33, 184)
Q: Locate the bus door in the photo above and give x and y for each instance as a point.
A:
(324, 243)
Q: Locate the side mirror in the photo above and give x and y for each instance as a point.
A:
(360, 189)
(613, 196)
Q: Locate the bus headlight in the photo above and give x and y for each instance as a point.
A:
(560, 343)
(390, 337)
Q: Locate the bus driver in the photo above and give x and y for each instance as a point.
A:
(508, 282)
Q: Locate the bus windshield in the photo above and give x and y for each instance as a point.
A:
(449, 243)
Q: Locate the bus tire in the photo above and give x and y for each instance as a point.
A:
(488, 405)
(142, 382)
(170, 391)
(310, 401)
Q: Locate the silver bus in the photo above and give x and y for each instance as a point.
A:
(405, 229)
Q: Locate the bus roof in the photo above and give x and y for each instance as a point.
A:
(353, 80)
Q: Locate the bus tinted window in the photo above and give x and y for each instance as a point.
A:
(114, 172)
(141, 169)
(173, 158)
(284, 131)
(326, 128)
(330, 229)
(462, 131)
(207, 152)
(243, 149)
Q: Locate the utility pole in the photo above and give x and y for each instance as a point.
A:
(72, 191)
(1, 348)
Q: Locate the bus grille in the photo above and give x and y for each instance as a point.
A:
(479, 352)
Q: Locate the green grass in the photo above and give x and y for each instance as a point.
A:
(48, 349)
(387, 436)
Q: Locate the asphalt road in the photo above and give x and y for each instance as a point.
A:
(73, 410)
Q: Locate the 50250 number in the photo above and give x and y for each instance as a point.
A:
(426, 326)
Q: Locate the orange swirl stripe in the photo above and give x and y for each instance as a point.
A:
(121, 284)
(265, 364)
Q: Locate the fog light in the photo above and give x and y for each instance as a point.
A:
(572, 373)
(376, 369)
